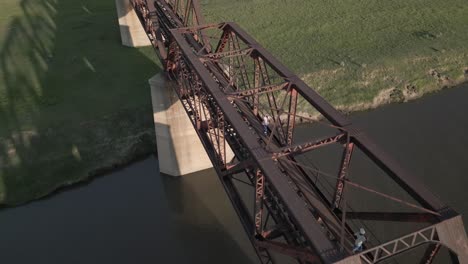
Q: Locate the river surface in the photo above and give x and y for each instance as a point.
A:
(137, 216)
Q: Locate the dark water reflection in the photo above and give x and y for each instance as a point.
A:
(428, 137)
(139, 216)
(133, 216)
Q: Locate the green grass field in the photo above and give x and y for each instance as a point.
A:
(74, 100)
(357, 53)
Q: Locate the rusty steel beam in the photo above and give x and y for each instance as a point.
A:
(319, 103)
(392, 216)
(258, 90)
(243, 213)
(430, 254)
(259, 196)
(303, 148)
(257, 84)
(340, 182)
(302, 254)
(262, 254)
(222, 99)
(291, 116)
(270, 104)
(404, 179)
(305, 221)
(237, 167)
(227, 54)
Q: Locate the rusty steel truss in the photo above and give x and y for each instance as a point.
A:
(227, 83)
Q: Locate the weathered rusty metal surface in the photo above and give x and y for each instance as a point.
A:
(228, 83)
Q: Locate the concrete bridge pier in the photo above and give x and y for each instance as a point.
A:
(180, 151)
(131, 31)
(452, 234)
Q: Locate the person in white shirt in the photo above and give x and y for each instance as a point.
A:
(265, 124)
(360, 239)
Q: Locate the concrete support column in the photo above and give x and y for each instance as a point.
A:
(131, 30)
(452, 234)
(180, 151)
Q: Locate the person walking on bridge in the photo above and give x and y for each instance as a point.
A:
(360, 239)
(265, 123)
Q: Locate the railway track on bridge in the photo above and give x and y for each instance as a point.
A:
(227, 82)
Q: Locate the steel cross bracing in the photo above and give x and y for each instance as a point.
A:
(227, 83)
(381, 252)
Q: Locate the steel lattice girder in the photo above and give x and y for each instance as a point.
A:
(406, 180)
(337, 119)
(226, 116)
(304, 219)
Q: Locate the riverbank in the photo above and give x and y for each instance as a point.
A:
(38, 163)
(74, 102)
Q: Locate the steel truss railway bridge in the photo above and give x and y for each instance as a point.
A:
(287, 204)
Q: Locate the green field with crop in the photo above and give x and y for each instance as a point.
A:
(74, 101)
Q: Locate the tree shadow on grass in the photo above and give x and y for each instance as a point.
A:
(72, 98)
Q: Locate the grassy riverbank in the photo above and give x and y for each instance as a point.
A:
(359, 54)
(72, 99)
